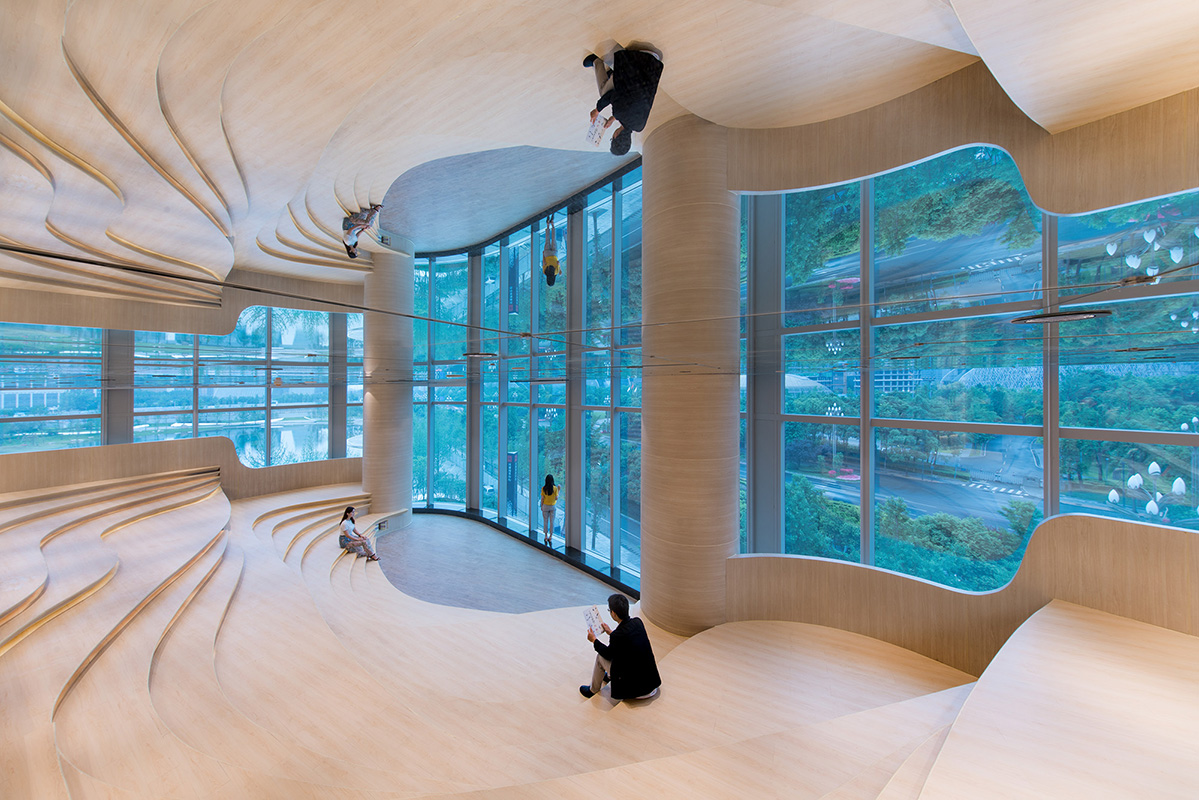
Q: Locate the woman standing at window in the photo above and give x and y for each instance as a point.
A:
(549, 500)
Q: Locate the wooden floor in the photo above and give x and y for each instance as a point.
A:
(458, 562)
(157, 641)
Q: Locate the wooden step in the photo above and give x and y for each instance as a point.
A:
(1078, 703)
(908, 780)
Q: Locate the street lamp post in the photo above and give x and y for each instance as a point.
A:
(834, 410)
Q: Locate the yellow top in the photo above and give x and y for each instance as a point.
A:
(550, 498)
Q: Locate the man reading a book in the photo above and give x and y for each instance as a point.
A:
(627, 659)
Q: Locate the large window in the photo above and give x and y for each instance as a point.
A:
(265, 386)
(920, 426)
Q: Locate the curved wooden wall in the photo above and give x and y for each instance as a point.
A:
(1142, 153)
(1144, 572)
(22, 471)
(62, 308)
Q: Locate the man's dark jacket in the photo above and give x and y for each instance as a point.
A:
(634, 672)
(635, 75)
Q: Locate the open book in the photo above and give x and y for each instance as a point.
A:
(595, 134)
(594, 620)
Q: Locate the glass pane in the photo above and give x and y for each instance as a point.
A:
(551, 379)
(355, 338)
(630, 378)
(597, 243)
(60, 342)
(744, 261)
(597, 489)
(821, 261)
(420, 308)
(247, 342)
(955, 508)
(520, 292)
(744, 377)
(299, 434)
(1152, 238)
(518, 380)
(48, 402)
(218, 373)
(164, 398)
(246, 429)
(630, 491)
(822, 490)
(168, 347)
(450, 286)
(353, 384)
(551, 460)
(231, 397)
(597, 369)
(161, 427)
(449, 460)
(300, 385)
(1142, 482)
(630, 259)
(551, 313)
(489, 341)
(420, 453)
(981, 369)
(490, 457)
(299, 336)
(954, 231)
(516, 503)
(743, 495)
(489, 375)
(823, 374)
(354, 432)
(21, 436)
(1135, 369)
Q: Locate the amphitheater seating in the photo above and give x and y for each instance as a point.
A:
(159, 641)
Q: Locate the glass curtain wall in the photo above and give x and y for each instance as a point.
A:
(533, 354)
(916, 416)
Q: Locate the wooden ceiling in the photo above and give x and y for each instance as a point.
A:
(187, 137)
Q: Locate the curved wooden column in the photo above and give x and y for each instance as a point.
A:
(387, 401)
(690, 400)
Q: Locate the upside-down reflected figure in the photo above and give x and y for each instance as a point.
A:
(357, 223)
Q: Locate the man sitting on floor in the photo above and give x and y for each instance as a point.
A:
(627, 659)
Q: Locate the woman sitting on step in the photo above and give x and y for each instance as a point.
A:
(350, 539)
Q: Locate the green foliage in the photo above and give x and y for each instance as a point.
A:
(821, 225)
(957, 194)
(1022, 517)
(817, 525)
(962, 552)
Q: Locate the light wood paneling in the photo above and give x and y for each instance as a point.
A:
(1144, 572)
(21, 471)
(387, 375)
(1067, 63)
(1078, 703)
(61, 308)
(690, 295)
(1140, 153)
